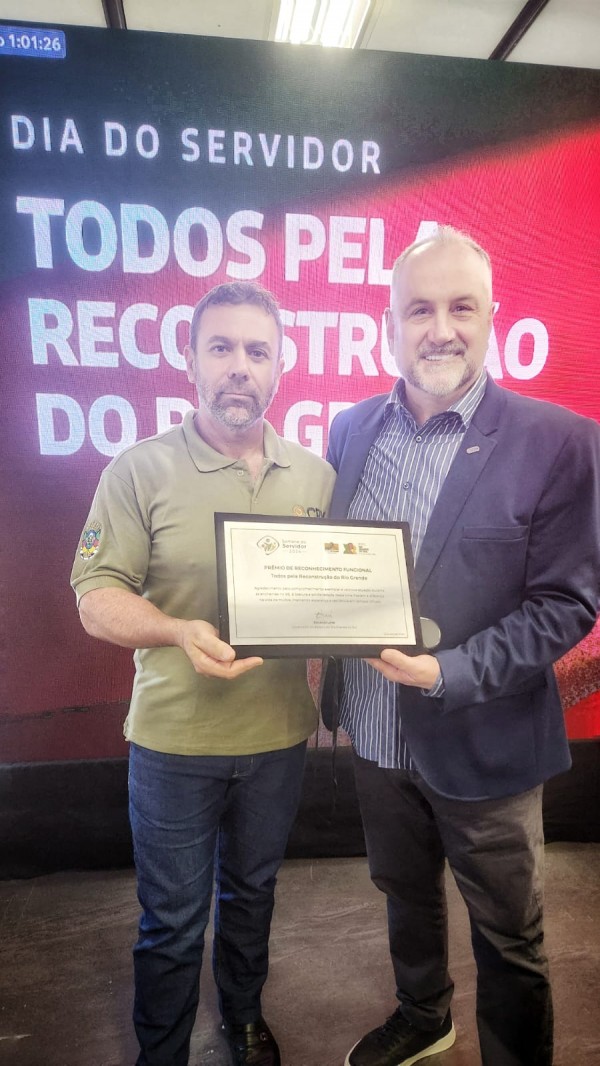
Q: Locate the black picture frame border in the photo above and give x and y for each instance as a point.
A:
(321, 650)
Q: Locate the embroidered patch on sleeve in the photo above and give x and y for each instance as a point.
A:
(90, 541)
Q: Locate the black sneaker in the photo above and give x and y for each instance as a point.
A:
(252, 1044)
(398, 1043)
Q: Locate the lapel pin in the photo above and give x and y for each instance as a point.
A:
(473, 448)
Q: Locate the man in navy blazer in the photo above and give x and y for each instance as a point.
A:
(450, 749)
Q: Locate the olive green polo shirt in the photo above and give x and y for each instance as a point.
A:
(150, 530)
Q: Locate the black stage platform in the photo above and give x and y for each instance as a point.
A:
(73, 815)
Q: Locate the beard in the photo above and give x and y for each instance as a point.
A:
(444, 377)
(237, 411)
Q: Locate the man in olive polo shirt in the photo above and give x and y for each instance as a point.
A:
(217, 744)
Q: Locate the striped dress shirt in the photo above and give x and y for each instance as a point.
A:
(401, 481)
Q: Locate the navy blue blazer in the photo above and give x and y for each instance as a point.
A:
(509, 568)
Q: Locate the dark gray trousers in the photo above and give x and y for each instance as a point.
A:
(495, 849)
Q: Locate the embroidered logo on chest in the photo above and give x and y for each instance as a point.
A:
(309, 512)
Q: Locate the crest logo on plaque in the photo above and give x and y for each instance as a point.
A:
(268, 545)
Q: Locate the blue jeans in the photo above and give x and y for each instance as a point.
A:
(195, 818)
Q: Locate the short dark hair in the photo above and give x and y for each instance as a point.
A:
(236, 292)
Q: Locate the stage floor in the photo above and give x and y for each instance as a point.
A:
(65, 979)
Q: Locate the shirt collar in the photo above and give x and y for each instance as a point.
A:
(465, 407)
(206, 458)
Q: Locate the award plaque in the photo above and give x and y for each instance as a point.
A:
(309, 587)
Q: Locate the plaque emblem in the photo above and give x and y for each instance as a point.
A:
(268, 545)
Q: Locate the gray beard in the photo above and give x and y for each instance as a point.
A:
(235, 415)
(443, 381)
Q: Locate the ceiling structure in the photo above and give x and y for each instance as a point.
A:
(557, 32)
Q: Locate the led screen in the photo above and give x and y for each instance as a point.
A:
(141, 169)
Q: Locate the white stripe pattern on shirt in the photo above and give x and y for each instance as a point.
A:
(401, 481)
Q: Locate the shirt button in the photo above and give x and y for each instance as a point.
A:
(240, 473)
(407, 484)
(418, 439)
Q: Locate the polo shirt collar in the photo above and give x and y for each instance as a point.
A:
(207, 459)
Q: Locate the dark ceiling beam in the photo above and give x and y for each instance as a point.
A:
(518, 29)
(114, 13)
